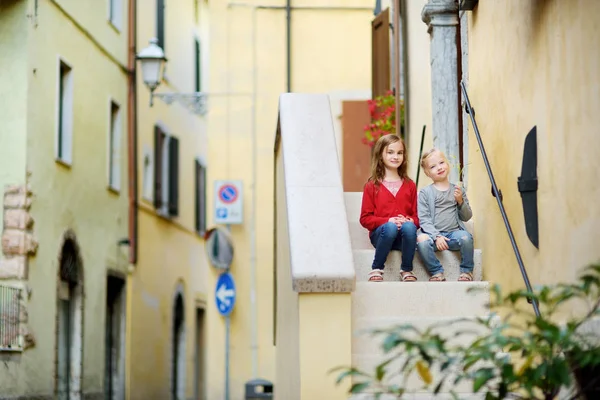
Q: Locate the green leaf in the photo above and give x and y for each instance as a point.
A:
(482, 376)
(359, 387)
(380, 370)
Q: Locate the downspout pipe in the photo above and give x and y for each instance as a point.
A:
(132, 134)
(131, 185)
(288, 37)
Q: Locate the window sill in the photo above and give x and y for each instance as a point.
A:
(114, 27)
(64, 163)
(113, 190)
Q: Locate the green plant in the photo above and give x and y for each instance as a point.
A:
(383, 118)
(518, 356)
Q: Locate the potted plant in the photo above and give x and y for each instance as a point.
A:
(383, 118)
(517, 356)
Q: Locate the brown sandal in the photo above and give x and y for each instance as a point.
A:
(407, 276)
(465, 277)
(376, 275)
(438, 278)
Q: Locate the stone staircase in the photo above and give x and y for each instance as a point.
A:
(422, 303)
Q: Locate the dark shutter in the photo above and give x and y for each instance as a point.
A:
(197, 173)
(160, 23)
(380, 57)
(202, 199)
(158, 161)
(173, 177)
(198, 62)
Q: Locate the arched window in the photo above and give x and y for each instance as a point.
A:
(69, 321)
(178, 349)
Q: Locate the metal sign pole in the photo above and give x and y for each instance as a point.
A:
(227, 331)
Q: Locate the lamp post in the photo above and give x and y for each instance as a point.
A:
(152, 62)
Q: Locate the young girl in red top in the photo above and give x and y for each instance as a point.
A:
(389, 207)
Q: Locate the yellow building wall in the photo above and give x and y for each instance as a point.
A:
(536, 63)
(331, 52)
(13, 98)
(75, 197)
(171, 254)
(418, 88)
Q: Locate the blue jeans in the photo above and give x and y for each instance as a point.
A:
(388, 237)
(459, 240)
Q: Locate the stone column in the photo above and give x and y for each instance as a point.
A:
(441, 16)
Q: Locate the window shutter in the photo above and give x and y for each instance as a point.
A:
(160, 23)
(158, 151)
(200, 203)
(380, 57)
(173, 177)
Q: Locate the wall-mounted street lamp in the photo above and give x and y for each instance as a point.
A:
(152, 60)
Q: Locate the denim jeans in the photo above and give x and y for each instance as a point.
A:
(459, 240)
(388, 237)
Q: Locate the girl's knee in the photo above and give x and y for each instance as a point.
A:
(408, 227)
(423, 238)
(390, 230)
(466, 237)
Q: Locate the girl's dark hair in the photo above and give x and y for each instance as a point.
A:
(377, 167)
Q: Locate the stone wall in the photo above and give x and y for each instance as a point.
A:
(18, 244)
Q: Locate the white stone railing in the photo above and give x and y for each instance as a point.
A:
(314, 268)
(320, 250)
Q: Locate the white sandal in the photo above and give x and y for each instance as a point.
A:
(376, 275)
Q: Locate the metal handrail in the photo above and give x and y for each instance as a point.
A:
(498, 195)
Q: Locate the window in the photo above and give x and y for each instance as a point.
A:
(166, 173)
(198, 62)
(64, 142)
(115, 12)
(114, 152)
(200, 182)
(114, 334)
(160, 23)
(10, 326)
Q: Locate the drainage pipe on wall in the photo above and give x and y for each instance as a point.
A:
(131, 181)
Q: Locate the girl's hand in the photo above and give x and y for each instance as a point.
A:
(409, 219)
(397, 221)
(441, 243)
(458, 195)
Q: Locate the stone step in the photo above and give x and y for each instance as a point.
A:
(363, 259)
(418, 396)
(431, 299)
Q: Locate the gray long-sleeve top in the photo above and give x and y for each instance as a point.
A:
(426, 210)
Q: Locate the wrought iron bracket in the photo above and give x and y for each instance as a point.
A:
(195, 102)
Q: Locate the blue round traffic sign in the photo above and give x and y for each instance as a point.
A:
(225, 294)
(228, 193)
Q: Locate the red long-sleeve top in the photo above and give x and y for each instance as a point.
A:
(379, 204)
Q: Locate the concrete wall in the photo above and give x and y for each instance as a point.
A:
(64, 198)
(171, 254)
(330, 54)
(536, 63)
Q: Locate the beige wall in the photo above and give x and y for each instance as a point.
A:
(418, 88)
(536, 63)
(171, 254)
(14, 37)
(330, 54)
(64, 198)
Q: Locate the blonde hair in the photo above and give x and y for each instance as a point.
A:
(428, 154)
(377, 166)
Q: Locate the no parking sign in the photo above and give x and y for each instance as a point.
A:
(228, 202)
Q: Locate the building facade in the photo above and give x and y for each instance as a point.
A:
(64, 179)
(168, 282)
(254, 57)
